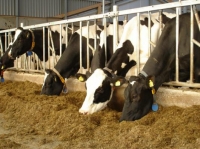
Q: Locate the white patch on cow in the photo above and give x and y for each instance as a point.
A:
(123, 65)
(110, 31)
(93, 82)
(17, 32)
(132, 83)
(131, 33)
(55, 28)
(45, 77)
(92, 31)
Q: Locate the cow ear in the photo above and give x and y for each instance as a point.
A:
(118, 81)
(81, 77)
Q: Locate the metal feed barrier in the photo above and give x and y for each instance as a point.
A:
(70, 24)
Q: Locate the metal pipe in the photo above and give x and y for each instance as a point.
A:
(44, 49)
(115, 28)
(149, 33)
(191, 44)
(177, 42)
(88, 57)
(81, 68)
(138, 41)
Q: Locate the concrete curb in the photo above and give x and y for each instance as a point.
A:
(164, 96)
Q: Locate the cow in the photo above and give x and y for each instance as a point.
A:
(160, 68)
(98, 61)
(69, 63)
(100, 91)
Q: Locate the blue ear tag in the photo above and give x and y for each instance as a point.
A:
(154, 107)
(2, 79)
(65, 90)
(29, 53)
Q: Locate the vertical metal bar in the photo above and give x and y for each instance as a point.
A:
(81, 68)
(161, 22)
(50, 43)
(196, 15)
(88, 57)
(138, 41)
(95, 39)
(115, 30)
(44, 48)
(60, 41)
(177, 43)
(149, 33)
(191, 44)
(105, 38)
(66, 35)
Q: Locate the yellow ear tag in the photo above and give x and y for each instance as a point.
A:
(151, 83)
(2, 67)
(118, 83)
(81, 79)
(153, 91)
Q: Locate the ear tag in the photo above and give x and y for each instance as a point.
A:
(65, 89)
(154, 107)
(2, 67)
(151, 83)
(81, 79)
(153, 91)
(29, 53)
(117, 83)
(55, 79)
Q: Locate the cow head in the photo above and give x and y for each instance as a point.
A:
(99, 90)
(22, 43)
(52, 83)
(138, 98)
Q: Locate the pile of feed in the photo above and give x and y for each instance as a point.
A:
(30, 120)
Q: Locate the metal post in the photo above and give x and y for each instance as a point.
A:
(177, 42)
(191, 44)
(60, 41)
(44, 48)
(138, 41)
(115, 29)
(81, 47)
(88, 57)
(149, 33)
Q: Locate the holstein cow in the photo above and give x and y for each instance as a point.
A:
(160, 67)
(32, 40)
(69, 62)
(99, 84)
(98, 61)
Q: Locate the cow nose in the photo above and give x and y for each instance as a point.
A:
(83, 112)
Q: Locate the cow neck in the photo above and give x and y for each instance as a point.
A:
(33, 40)
(60, 77)
(107, 71)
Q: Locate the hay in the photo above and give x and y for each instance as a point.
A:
(31, 121)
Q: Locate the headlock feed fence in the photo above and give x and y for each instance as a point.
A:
(31, 63)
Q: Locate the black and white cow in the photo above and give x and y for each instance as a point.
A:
(160, 68)
(99, 91)
(32, 40)
(69, 62)
(98, 61)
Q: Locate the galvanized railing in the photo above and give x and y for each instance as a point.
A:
(115, 15)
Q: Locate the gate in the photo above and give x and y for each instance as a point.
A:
(24, 63)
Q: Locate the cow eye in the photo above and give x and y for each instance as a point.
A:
(100, 90)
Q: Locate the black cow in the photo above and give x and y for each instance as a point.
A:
(100, 91)
(69, 62)
(160, 67)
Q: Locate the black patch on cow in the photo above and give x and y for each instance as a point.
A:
(145, 22)
(102, 93)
